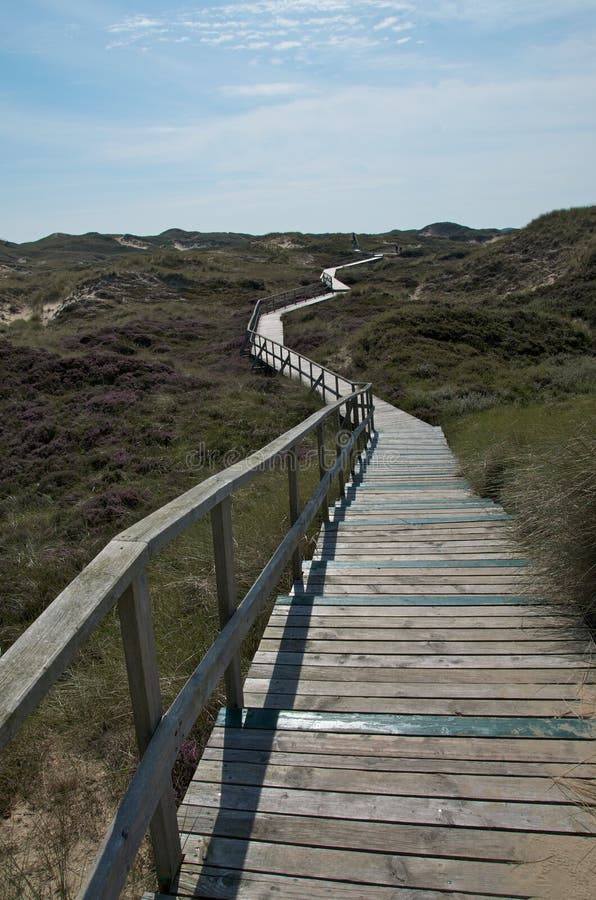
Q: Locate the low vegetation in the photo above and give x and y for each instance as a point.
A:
(539, 462)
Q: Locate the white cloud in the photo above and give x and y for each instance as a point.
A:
(135, 23)
(386, 23)
(300, 21)
(268, 89)
(498, 12)
(486, 154)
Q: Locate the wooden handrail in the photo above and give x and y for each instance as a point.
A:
(36, 660)
(267, 350)
(117, 576)
(150, 781)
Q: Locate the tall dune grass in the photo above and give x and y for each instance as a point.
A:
(540, 463)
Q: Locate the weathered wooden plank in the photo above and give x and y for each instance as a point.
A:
(229, 884)
(449, 726)
(370, 869)
(386, 632)
(437, 706)
(303, 617)
(446, 612)
(435, 648)
(536, 750)
(362, 660)
(440, 598)
(363, 763)
(536, 817)
(420, 690)
(374, 671)
(493, 566)
(396, 784)
(468, 582)
(381, 836)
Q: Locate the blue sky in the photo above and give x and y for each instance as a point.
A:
(281, 115)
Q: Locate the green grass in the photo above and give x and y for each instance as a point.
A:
(539, 462)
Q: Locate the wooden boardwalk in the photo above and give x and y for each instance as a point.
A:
(417, 724)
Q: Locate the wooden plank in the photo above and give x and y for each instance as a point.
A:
(536, 750)
(466, 609)
(267, 756)
(387, 633)
(438, 599)
(420, 690)
(395, 784)
(467, 580)
(492, 566)
(375, 671)
(435, 648)
(461, 706)
(449, 726)
(299, 617)
(473, 661)
(430, 841)
(228, 884)
(370, 869)
(555, 818)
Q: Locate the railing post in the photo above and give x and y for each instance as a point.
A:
(136, 625)
(223, 552)
(355, 450)
(371, 409)
(322, 467)
(338, 449)
(362, 405)
(292, 458)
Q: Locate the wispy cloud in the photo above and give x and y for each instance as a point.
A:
(283, 25)
(266, 90)
(317, 22)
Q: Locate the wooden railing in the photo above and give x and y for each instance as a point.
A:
(285, 361)
(117, 577)
(284, 298)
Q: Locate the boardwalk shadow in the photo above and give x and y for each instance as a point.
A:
(247, 809)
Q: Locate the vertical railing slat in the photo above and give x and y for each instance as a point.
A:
(322, 467)
(338, 449)
(225, 576)
(136, 625)
(294, 488)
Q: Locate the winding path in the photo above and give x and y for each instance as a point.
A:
(417, 724)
